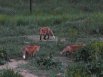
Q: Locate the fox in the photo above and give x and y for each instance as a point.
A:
(71, 48)
(46, 32)
(30, 50)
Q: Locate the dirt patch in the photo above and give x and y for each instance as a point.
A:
(37, 38)
(64, 60)
(14, 65)
(26, 73)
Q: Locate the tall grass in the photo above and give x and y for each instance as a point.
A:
(9, 73)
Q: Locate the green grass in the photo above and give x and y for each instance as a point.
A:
(9, 73)
(63, 19)
(62, 25)
(13, 46)
(67, 18)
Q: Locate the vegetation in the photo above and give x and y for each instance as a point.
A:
(71, 19)
(79, 19)
(92, 52)
(9, 73)
(77, 70)
(3, 57)
(47, 62)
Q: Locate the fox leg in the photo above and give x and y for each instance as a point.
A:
(44, 37)
(47, 36)
(40, 36)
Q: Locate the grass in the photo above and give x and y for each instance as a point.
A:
(67, 18)
(9, 73)
(13, 46)
(53, 14)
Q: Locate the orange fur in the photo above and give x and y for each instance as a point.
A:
(30, 49)
(71, 48)
(45, 31)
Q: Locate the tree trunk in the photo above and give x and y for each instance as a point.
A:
(30, 6)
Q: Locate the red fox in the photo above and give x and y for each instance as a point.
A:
(71, 48)
(45, 32)
(30, 50)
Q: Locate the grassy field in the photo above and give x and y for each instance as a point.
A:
(70, 19)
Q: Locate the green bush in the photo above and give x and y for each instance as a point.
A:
(9, 73)
(83, 55)
(92, 52)
(96, 49)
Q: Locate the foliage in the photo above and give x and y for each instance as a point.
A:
(96, 50)
(92, 52)
(9, 73)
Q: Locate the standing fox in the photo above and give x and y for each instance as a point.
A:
(30, 50)
(71, 48)
(46, 32)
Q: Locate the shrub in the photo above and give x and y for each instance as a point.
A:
(83, 55)
(10, 73)
(92, 52)
(96, 49)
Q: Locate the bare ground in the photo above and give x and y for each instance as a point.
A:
(14, 65)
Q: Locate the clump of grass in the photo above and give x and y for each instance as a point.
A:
(3, 18)
(95, 68)
(9, 73)
(47, 62)
(77, 70)
(73, 32)
(3, 56)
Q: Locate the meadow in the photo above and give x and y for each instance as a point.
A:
(78, 21)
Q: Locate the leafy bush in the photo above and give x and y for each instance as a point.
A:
(92, 52)
(9, 73)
